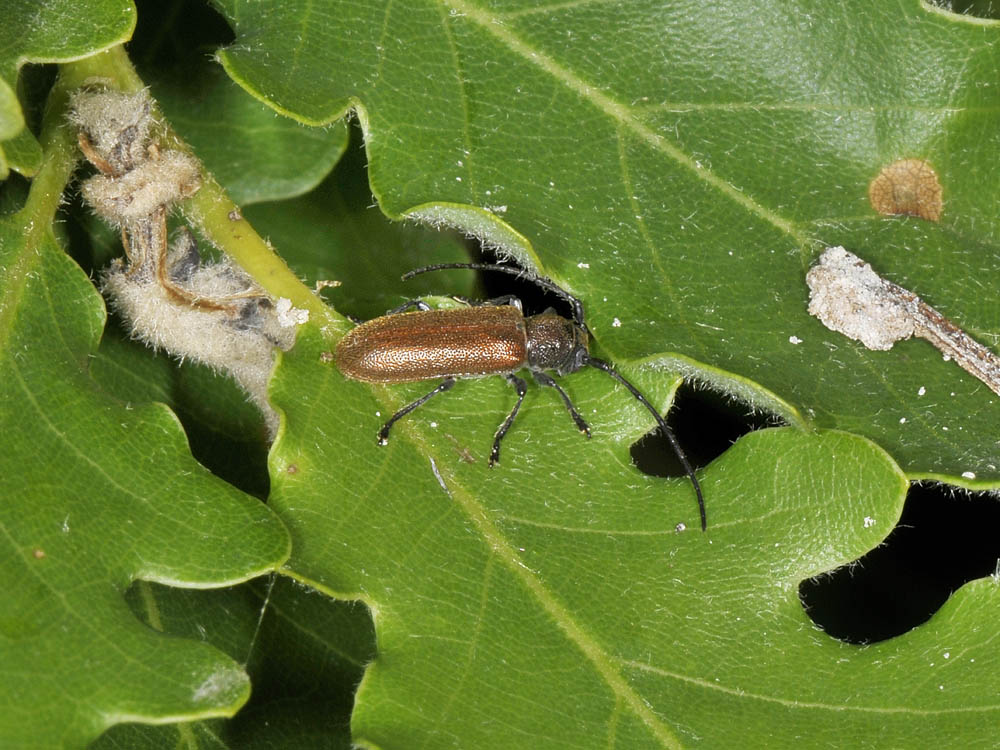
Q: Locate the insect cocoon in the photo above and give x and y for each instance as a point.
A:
(161, 181)
(234, 331)
(212, 313)
(116, 126)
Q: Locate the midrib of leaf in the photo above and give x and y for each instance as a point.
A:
(625, 117)
(667, 287)
(504, 551)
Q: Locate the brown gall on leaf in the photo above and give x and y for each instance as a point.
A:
(907, 187)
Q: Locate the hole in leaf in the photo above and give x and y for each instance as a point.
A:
(533, 299)
(705, 423)
(13, 194)
(944, 539)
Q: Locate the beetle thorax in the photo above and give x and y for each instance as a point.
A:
(555, 343)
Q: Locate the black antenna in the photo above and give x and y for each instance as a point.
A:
(600, 364)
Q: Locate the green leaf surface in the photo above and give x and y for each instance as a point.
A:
(680, 167)
(569, 612)
(46, 31)
(98, 493)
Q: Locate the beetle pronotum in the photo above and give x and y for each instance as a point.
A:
(491, 338)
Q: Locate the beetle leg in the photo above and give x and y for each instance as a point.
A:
(417, 303)
(546, 380)
(506, 299)
(521, 388)
(383, 434)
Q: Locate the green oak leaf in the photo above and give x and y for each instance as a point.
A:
(41, 31)
(226, 433)
(573, 611)
(680, 167)
(98, 493)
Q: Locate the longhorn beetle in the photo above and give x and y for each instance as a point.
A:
(489, 338)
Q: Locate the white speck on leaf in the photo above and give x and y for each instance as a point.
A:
(289, 316)
(217, 683)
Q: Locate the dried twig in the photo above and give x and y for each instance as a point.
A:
(850, 298)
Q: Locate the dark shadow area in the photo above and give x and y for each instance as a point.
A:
(304, 653)
(944, 539)
(177, 30)
(705, 423)
(299, 681)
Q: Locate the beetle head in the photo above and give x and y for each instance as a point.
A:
(555, 343)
